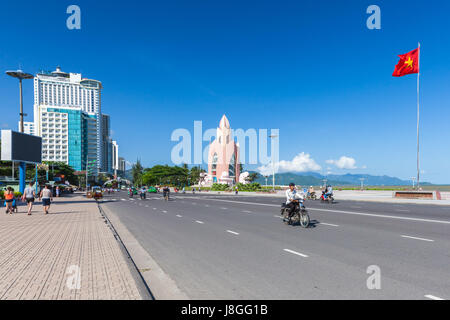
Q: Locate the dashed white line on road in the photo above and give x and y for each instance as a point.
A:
(297, 253)
(232, 232)
(201, 222)
(246, 211)
(146, 205)
(416, 238)
(179, 216)
(123, 199)
(164, 211)
(224, 208)
(278, 217)
(154, 208)
(429, 296)
(329, 224)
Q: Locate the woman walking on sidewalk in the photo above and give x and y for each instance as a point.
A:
(46, 196)
(29, 196)
(9, 198)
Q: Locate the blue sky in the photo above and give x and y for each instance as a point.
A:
(310, 68)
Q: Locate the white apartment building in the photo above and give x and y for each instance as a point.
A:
(28, 127)
(67, 115)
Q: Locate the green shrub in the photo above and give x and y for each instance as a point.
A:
(219, 187)
(248, 187)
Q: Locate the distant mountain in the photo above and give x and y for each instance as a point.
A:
(314, 178)
(286, 178)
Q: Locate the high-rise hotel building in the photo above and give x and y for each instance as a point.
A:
(68, 117)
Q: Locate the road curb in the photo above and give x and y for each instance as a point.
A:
(159, 283)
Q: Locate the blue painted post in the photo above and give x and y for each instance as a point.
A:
(36, 179)
(22, 170)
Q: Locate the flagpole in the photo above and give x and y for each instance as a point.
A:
(418, 121)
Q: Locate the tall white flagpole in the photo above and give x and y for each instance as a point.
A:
(418, 120)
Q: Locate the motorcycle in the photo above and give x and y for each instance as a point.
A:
(326, 198)
(311, 196)
(300, 215)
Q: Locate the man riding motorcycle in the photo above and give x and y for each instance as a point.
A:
(293, 198)
(311, 192)
(166, 192)
(328, 191)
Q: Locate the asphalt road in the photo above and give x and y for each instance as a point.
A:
(236, 247)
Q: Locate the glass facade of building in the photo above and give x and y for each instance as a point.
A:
(77, 137)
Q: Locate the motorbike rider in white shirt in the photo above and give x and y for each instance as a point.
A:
(293, 198)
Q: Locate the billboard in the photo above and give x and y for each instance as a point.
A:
(21, 147)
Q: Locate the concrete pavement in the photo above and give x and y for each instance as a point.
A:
(227, 247)
(69, 254)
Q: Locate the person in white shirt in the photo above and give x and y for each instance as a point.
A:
(292, 198)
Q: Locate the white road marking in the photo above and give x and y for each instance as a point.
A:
(246, 211)
(201, 222)
(278, 217)
(164, 211)
(329, 224)
(297, 253)
(123, 199)
(229, 231)
(423, 239)
(345, 212)
(224, 208)
(179, 216)
(154, 208)
(429, 296)
(146, 205)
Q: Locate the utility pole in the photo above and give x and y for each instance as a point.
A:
(273, 136)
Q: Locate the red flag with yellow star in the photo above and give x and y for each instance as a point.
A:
(408, 64)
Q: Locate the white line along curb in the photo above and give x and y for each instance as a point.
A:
(429, 296)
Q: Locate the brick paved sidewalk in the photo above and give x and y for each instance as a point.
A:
(40, 254)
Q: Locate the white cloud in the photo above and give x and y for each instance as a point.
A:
(343, 163)
(301, 163)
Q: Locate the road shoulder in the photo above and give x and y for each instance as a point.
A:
(161, 285)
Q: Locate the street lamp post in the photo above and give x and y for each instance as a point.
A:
(19, 74)
(362, 183)
(413, 181)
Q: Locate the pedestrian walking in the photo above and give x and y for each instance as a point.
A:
(9, 198)
(46, 196)
(29, 195)
(57, 191)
